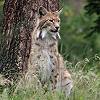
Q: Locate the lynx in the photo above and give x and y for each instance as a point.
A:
(45, 63)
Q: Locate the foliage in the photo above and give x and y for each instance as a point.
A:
(93, 7)
(75, 44)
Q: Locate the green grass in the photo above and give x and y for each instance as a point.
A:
(86, 87)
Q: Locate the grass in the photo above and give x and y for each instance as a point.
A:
(86, 87)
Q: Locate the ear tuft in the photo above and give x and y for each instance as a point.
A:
(42, 11)
(59, 12)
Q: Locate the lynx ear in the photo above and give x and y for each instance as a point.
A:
(42, 11)
(59, 12)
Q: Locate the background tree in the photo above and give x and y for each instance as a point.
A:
(19, 22)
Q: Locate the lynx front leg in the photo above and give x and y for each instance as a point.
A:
(64, 82)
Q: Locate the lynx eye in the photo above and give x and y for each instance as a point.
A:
(51, 20)
(58, 20)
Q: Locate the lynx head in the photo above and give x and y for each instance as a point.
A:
(49, 22)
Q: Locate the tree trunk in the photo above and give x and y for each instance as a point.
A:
(19, 22)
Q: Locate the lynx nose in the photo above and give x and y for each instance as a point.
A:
(57, 28)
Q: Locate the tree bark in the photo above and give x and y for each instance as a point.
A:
(19, 22)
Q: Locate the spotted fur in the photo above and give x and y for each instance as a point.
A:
(45, 62)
